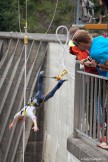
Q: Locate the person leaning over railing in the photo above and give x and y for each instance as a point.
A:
(84, 57)
(98, 49)
(81, 54)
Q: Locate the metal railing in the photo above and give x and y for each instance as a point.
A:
(90, 105)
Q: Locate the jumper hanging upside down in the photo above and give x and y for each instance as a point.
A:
(27, 111)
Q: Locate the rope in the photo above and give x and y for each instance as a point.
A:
(19, 15)
(25, 58)
(24, 104)
(26, 15)
(19, 18)
(64, 48)
(25, 76)
(63, 61)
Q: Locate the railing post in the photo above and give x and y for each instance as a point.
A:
(77, 12)
(76, 99)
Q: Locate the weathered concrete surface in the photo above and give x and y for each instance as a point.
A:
(34, 36)
(58, 115)
(11, 91)
(85, 150)
(58, 112)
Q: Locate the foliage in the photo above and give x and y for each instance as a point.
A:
(39, 15)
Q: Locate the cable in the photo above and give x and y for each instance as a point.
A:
(26, 23)
(26, 51)
(64, 48)
(19, 21)
(19, 18)
(25, 77)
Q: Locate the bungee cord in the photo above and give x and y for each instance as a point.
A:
(22, 85)
(19, 18)
(26, 17)
(27, 35)
(25, 74)
(64, 48)
(25, 85)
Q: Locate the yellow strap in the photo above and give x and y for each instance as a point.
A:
(32, 104)
(59, 77)
(63, 73)
(25, 112)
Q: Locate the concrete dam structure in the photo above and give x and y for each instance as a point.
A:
(55, 117)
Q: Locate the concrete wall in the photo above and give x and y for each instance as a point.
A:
(58, 112)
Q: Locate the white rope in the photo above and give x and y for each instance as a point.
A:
(19, 21)
(26, 17)
(19, 18)
(25, 84)
(64, 48)
(24, 99)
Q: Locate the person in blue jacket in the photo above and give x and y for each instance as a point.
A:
(98, 48)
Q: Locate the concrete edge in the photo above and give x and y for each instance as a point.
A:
(86, 151)
(34, 36)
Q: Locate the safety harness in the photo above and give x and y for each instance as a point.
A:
(29, 104)
(33, 104)
(59, 77)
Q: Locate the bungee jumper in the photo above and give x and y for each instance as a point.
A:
(36, 100)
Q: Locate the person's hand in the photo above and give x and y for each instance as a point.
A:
(94, 63)
(100, 3)
(82, 62)
(11, 126)
(91, 63)
(35, 129)
(88, 63)
(103, 69)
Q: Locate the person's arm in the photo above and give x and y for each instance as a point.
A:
(31, 115)
(88, 62)
(82, 62)
(92, 63)
(35, 127)
(11, 125)
(106, 64)
(103, 67)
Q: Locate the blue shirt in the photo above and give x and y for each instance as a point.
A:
(99, 52)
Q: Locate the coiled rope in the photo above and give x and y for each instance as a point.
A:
(64, 48)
